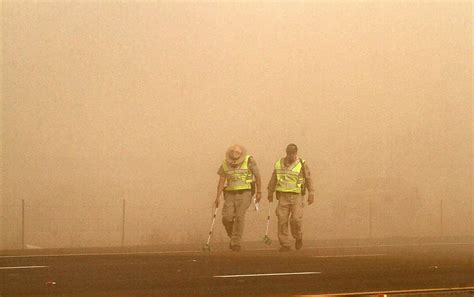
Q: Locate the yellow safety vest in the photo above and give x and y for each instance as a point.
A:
(289, 180)
(240, 178)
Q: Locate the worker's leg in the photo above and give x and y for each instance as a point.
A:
(228, 212)
(242, 203)
(283, 213)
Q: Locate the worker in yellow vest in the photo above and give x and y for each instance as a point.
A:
(238, 176)
(290, 179)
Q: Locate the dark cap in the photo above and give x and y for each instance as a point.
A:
(291, 148)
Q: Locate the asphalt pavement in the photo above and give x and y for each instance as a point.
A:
(255, 271)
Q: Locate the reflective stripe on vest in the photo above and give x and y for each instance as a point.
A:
(289, 179)
(238, 178)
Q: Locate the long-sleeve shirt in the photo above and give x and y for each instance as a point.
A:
(307, 176)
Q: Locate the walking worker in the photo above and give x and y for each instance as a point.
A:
(238, 175)
(290, 179)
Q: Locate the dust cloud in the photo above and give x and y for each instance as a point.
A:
(137, 102)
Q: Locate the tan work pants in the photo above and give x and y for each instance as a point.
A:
(233, 213)
(289, 205)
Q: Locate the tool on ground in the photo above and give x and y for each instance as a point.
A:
(207, 247)
(267, 239)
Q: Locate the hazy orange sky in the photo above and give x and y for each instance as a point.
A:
(138, 101)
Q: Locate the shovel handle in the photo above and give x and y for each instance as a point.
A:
(268, 218)
(212, 226)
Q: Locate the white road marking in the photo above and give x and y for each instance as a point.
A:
(21, 267)
(267, 274)
(350, 256)
(389, 245)
(392, 292)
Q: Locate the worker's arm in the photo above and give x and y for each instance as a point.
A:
(309, 183)
(220, 189)
(258, 180)
(271, 186)
(220, 185)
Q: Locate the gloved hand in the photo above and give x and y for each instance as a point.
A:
(310, 198)
(270, 197)
(258, 197)
(216, 202)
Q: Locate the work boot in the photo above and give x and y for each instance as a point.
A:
(285, 248)
(299, 243)
(235, 248)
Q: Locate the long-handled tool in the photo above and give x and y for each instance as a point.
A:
(267, 239)
(206, 247)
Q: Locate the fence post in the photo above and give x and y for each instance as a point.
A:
(123, 222)
(22, 223)
(370, 218)
(441, 218)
